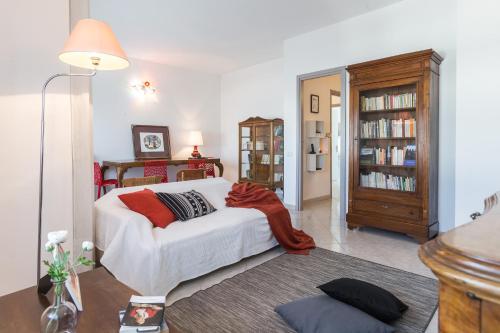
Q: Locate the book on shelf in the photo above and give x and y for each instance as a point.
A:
(387, 181)
(388, 128)
(392, 155)
(144, 314)
(366, 156)
(410, 156)
(397, 155)
(389, 102)
(410, 127)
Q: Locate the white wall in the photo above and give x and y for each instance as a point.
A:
(478, 110)
(83, 150)
(406, 26)
(185, 100)
(249, 92)
(33, 34)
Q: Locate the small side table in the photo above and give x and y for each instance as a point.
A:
(103, 296)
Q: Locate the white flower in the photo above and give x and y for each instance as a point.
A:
(49, 247)
(87, 246)
(57, 237)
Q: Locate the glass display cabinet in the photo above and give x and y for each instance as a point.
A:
(261, 152)
(394, 133)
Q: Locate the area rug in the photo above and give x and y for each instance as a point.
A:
(246, 302)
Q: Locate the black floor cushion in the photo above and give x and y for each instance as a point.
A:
(367, 297)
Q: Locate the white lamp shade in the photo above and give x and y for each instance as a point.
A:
(93, 45)
(195, 138)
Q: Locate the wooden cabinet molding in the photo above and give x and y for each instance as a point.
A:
(466, 261)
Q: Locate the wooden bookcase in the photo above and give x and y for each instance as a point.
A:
(393, 180)
(261, 152)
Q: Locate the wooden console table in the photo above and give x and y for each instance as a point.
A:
(122, 166)
(103, 296)
(466, 261)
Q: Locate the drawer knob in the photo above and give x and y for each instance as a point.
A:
(385, 206)
(471, 295)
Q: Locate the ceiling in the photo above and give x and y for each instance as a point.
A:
(218, 36)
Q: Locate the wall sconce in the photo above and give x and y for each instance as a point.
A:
(144, 88)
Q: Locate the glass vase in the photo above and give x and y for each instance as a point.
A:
(61, 316)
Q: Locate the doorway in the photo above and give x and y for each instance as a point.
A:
(322, 132)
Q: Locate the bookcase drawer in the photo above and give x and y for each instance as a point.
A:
(387, 208)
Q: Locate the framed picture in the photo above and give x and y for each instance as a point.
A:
(314, 104)
(151, 141)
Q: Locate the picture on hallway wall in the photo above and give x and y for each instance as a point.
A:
(314, 104)
(151, 141)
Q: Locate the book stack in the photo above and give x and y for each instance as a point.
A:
(397, 156)
(373, 179)
(380, 156)
(388, 181)
(387, 128)
(397, 128)
(375, 129)
(410, 127)
(144, 314)
(399, 183)
(389, 102)
(391, 155)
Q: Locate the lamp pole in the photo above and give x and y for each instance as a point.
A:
(45, 285)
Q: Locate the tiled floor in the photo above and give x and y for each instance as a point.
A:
(320, 220)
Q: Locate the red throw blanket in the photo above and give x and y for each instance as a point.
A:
(248, 195)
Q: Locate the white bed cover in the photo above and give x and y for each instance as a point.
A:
(153, 261)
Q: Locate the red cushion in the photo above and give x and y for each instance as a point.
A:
(146, 203)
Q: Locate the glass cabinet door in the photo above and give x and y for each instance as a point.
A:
(246, 139)
(279, 155)
(387, 138)
(263, 153)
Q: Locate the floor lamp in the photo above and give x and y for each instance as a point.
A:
(91, 45)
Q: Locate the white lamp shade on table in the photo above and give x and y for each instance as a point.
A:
(93, 45)
(195, 138)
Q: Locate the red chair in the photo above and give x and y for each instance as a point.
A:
(201, 163)
(100, 182)
(156, 168)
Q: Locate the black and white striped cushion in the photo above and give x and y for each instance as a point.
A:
(186, 205)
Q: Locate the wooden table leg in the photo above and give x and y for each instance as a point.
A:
(221, 168)
(120, 172)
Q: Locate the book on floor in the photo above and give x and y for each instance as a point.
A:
(144, 314)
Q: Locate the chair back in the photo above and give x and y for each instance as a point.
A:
(196, 163)
(98, 179)
(201, 163)
(156, 168)
(191, 174)
(140, 181)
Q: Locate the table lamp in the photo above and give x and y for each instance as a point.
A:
(195, 139)
(91, 45)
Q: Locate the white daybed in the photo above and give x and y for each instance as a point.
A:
(154, 261)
